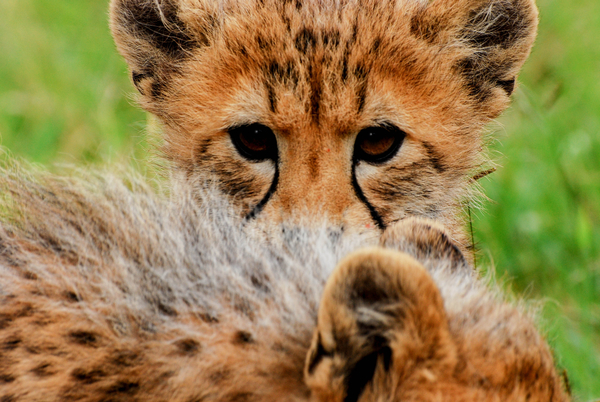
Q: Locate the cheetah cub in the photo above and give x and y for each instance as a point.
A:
(366, 114)
(368, 111)
(109, 292)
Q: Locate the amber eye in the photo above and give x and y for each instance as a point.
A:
(254, 142)
(378, 144)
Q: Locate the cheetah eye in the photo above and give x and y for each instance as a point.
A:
(254, 142)
(378, 144)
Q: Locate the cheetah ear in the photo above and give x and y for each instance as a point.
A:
(380, 313)
(155, 37)
(493, 39)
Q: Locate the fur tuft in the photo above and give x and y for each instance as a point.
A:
(110, 290)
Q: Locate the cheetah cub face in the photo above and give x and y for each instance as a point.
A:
(366, 111)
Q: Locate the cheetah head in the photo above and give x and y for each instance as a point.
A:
(366, 111)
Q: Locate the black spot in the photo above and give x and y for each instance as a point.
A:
(331, 39)
(259, 283)
(315, 99)
(125, 358)
(165, 309)
(72, 296)
(243, 337)
(168, 35)
(263, 44)
(238, 397)
(344, 62)
(361, 95)
(353, 36)
(305, 41)
(157, 88)
(240, 51)
(85, 338)
(243, 306)
(43, 370)
(285, 73)
(272, 97)
(219, 376)
(87, 376)
(435, 159)
(30, 276)
(376, 45)
(209, 318)
(8, 398)
(347, 51)
(124, 387)
(198, 398)
(202, 149)
(5, 321)
(7, 378)
(26, 310)
(12, 343)
(188, 346)
(422, 28)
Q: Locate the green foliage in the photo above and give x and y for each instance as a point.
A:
(543, 229)
(64, 97)
(63, 87)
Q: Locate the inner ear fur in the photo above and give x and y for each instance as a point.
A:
(155, 36)
(493, 37)
(380, 310)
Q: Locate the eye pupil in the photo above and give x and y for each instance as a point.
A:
(254, 142)
(378, 144)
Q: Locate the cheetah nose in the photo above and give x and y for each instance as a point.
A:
(303, 193)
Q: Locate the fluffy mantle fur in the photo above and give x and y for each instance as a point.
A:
(110, 291)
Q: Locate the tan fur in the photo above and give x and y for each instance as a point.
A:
(317, 72)
(110, 292)
(384, 315)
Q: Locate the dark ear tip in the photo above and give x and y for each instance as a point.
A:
(508, 85)
(155, 23)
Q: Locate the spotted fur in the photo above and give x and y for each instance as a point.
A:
(109, 291)
(317, 72)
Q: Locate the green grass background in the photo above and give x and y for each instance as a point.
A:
(64, 97)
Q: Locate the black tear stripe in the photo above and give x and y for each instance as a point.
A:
(361, 196)
(259, 207)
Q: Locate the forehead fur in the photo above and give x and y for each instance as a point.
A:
(469, 49)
